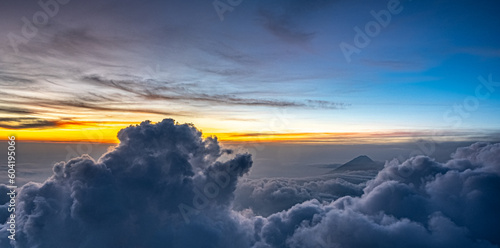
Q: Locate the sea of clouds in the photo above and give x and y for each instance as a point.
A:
(165, 185)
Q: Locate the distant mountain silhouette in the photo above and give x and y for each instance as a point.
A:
(361, 163)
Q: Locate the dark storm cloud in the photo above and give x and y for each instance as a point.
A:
(166, 186)
(135, 190)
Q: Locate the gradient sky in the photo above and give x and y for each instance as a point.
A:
(266, 72)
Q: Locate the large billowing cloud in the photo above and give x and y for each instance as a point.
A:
(166, 186)
(159, 187)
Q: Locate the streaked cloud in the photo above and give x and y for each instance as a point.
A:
(27, 123)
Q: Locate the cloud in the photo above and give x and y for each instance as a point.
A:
(166, 186)
(417, 203)
(9, 80)
(136, 190)
(152, 90)
(229, 53)
(26, 122)
(281, 27)
(90, 101)
(281, 19)
(14, 110)
(82, 103)
(79, 41)
(267, 196)
(41, 123)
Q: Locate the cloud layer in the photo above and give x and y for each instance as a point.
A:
(417, 203)
(166, 186)
(268, 196)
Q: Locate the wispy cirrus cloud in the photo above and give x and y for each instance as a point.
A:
(361, 137)
(282, 19)
(14, 110)
(45, 123)
(173, 92)
(27, 123)
(6, 79)
(282, 27)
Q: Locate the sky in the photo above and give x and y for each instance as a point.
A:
(252, 124)
(329, 72)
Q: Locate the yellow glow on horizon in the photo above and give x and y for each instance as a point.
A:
(106, 132)
(101, 135)
(109, 135)
(313, 138)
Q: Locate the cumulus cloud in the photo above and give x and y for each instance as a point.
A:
(267, 196)
(134, 193)
(417, 203)
(166, 186)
